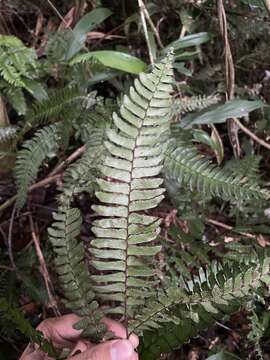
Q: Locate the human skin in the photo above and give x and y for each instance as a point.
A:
(62, 334)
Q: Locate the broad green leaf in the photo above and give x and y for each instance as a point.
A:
(180, 67)
(220, 113)
(188, 41)
(86, 24)
(113, 59)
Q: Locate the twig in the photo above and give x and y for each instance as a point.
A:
(7, 268)
(252, 135)
(43, 268)
(230, 77)
(148, 18)
(229, 227)
(58, 13)
(52, 177)
(37, 185)
(71, 158)
(146, 35)
(267, 5)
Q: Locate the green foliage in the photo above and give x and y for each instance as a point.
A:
(42, 146)
(18, 64)
(72, 271)
(17, 318)
(124, 234)
(184, 164)
(193, 103)
(59, 104)
(188, 311)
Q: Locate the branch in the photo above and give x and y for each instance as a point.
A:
(146, 35)
(43, 268)
(52, 177)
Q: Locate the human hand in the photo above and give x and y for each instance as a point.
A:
(62, 334)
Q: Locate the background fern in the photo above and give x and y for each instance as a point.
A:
(42, 146)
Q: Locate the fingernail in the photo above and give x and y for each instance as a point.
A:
(121, 350)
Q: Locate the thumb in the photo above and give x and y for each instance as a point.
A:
(110, 350)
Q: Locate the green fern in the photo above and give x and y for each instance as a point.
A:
(73, 273)
(17, 62)
(60, 104)
(222, 293)
(193, 103)
(42, 146)
(134, 156)
(184, 164)
(210, 290)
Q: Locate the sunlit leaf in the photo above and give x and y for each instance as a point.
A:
(113, 59)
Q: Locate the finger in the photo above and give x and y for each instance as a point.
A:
(81, 346)
(60, 330)
(110, 350)
(35, 355)
(120, 331)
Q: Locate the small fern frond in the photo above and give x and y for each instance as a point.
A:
(60, 103)
(73, 273)
(209, 291)
(81, 175)
(42, 146)
(193, 103)
(17, 62)
(7, 133)
(122, 248)
(184, 164)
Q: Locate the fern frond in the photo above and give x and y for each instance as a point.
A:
(73, 273)
(42, 146)
(60, 103)
(16, 99)
(7, 133)
(17, 62)
(122, 248)
(209, 291)
(193, 103)
(81, 175)
(184, 164)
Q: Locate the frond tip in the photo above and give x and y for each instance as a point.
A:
(129, 186)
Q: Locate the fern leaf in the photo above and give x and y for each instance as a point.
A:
(73, 273)
(209, 291)
(193, 103)
(17, 62)
(128, 187)
(60, 103)
(41, 147)
(185, 165)
(81, 176)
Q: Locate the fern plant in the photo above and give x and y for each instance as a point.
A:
(121, 270)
